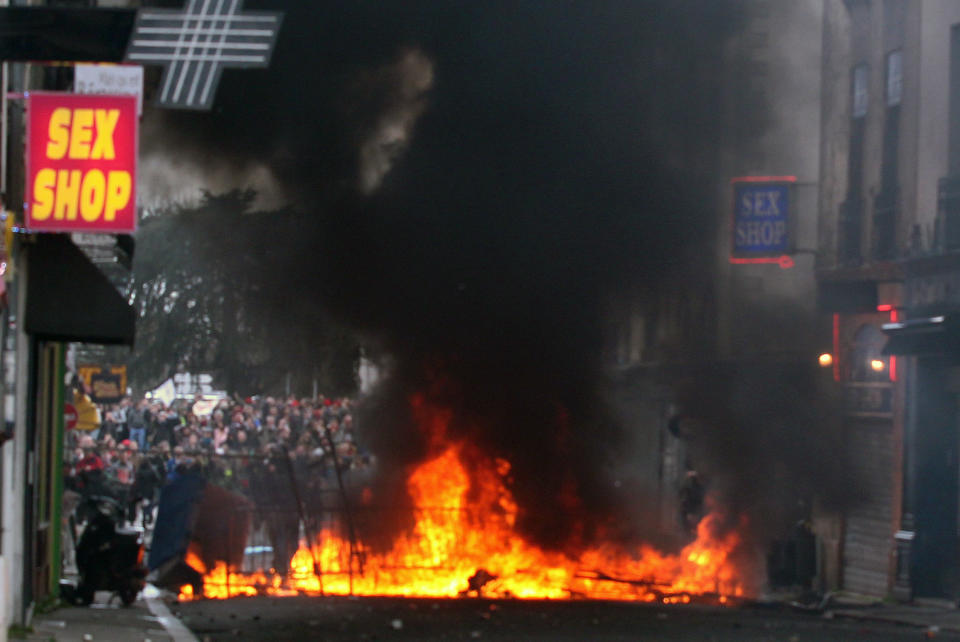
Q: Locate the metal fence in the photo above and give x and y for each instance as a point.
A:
(275, 503)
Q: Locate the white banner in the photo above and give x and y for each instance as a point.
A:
(110, 79)
(165, 393)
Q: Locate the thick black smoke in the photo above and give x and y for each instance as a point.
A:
(768, 439)
(475, 178)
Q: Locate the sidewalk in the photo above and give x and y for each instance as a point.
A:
(147, 620)
(932, 615)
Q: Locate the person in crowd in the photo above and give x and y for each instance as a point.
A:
(174, 461)
(121, 475)
(109, 424)
(277, 507)
(137, 419)
(88, 475)
(242, 443)
(346, 451)
(166, 424)
(90, 461)
(148, 479)
(122, 469)
(270, 425)
(108, 450)
(88, 414)
(333, 432)
(220, 435)
(206, 439)
(121, 426)
(691, 500)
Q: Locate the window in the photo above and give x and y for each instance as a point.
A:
(849, 238)
(860, 90)
(894, 78)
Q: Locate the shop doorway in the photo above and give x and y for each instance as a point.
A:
(934, 572)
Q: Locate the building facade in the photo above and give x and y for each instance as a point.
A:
(725, 317)
(47, 274)
(887, 271)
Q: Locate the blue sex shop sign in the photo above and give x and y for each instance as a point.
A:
(761, 216)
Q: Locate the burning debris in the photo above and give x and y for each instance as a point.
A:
(476, 583)
(464, 542)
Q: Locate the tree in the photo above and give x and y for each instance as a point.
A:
(205, 285)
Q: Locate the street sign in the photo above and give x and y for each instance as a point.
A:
(107, 384)
(69, 416)
(196, 43)
(106, 387)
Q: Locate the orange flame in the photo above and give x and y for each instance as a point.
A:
(454, 538)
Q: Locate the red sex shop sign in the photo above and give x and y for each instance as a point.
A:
(81, 163)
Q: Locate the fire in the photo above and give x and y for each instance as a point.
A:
(463, 543)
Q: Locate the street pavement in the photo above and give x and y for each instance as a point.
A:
(337, 619)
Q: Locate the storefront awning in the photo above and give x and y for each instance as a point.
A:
(926, 336)
(69, 299)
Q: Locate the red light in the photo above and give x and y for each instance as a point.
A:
(884, 307)
(785, 262)
(894, 317)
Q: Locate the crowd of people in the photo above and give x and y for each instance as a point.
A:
(136, 446)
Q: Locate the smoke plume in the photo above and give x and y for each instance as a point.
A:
(475, 180)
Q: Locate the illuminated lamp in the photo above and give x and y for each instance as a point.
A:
(878, 365)
(825, 360)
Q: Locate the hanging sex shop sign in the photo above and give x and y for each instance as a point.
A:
(761, 216)
(81, 163)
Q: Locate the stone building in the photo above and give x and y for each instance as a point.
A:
(889, 276)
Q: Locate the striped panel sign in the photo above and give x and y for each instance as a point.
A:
(196, 43)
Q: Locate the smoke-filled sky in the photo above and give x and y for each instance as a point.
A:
(473, 178)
